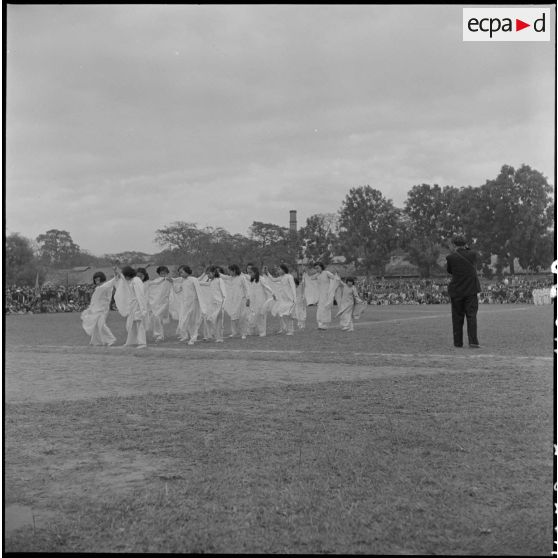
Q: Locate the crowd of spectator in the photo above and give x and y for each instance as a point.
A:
(49, 298)
(512, 290)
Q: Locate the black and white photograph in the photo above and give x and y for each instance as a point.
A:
(280, 279)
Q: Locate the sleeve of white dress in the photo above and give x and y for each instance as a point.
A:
(108, 284)
(122, 297)
(223, 289)
(201, 298)
(265, 285)
(292, 286)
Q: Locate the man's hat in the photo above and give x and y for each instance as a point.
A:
(459, 240)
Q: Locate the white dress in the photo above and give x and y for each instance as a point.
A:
(235, 304)
(261, 298)
(158, 294)
(327, 283)
(93, 318)
(131, 302)
(192, 308)
(350, 306)
(213, 294)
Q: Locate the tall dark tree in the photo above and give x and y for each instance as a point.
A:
(368, 228)
(21, 264)
(514, 217)
(57, 248)
(425, 226)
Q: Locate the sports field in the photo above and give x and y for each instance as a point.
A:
(386, 440)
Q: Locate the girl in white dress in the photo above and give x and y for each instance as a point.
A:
(260, 299)
(327, 283)
(132, 304)
(238, 301)
(350, 304)
(191, 306)
(300, 307)
(93, 318)
(158, 292)
(214, 294)
(285, 299)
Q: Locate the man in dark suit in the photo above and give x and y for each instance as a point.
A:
(462, 290)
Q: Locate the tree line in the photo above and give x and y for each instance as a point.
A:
(510, 217)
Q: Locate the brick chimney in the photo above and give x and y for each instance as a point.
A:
(292, 221)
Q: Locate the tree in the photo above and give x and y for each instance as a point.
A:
(425, 226)
(272, 243)
(21, 264)
(181, 236)
(57, 248)
(368, 228)
(185, 243)
(319, 237)
(514, 217)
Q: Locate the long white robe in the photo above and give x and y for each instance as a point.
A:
(235, 304)
(311, 291)
(237, 294)
(350, 305)
(158, 295)
(131, 303)
(192, 308)
(261, 298)
(327, 284)
(93, 318)
(213, 293)
(285, 292)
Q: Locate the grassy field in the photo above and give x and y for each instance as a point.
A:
(387, 440)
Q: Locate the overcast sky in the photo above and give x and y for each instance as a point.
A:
(121, 119)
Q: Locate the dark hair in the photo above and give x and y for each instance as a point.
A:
(459, 240)
(250, 264)
(256, 272)
(234, 269)
(297, 282)
(128, 272)
(214, 269)
(162, 268)
(352, 279)
(320, 264)
(143, 271)
(100, 275)
(284, 267)
(220, 269)
(187, 269)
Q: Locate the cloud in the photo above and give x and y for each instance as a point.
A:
(123, 118)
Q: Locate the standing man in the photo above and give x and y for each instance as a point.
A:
(462, 290)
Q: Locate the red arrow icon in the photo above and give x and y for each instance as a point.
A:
(519, 25)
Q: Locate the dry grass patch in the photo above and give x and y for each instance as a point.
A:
(451, 463)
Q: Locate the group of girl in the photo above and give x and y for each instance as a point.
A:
(199, 304)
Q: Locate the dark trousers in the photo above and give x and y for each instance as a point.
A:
(461, 308)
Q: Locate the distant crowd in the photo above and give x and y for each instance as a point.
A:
(513, 290)
(49, 298)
